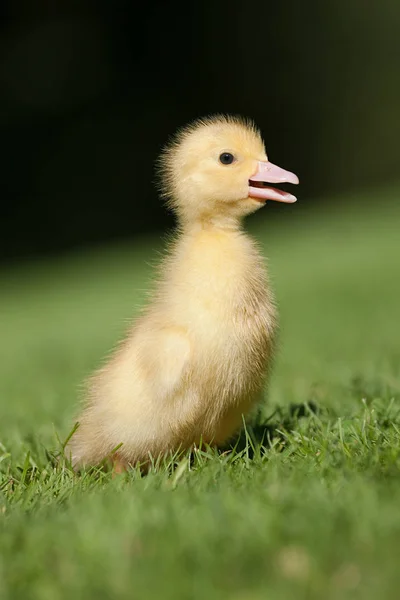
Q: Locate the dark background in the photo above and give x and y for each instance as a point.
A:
(90, 91)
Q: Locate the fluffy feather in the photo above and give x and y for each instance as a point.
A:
(195, 361)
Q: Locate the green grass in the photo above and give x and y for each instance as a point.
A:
(314, 513)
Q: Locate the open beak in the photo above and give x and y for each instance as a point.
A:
(267, 173)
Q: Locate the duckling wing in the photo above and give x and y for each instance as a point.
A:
(170, 360)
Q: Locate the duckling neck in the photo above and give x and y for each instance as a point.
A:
(214, 222)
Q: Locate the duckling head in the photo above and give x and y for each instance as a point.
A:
(217, 169)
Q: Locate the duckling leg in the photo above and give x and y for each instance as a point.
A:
(118, 465)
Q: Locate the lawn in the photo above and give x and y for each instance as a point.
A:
(307, 505)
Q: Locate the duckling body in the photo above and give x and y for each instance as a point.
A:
(196, 360)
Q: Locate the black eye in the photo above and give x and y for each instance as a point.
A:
(226, 158)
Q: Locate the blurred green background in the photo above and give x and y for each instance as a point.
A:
(335, 275)
(90, 91)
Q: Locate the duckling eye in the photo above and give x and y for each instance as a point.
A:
(226, 158)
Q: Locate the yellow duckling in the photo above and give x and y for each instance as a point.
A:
(196, 360)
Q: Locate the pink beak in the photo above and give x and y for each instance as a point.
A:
(268, 173)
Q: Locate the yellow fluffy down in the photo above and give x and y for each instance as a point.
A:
(195, 361)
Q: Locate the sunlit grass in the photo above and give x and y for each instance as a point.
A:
(305, 506)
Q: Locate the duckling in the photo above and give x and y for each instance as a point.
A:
(197, 358)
